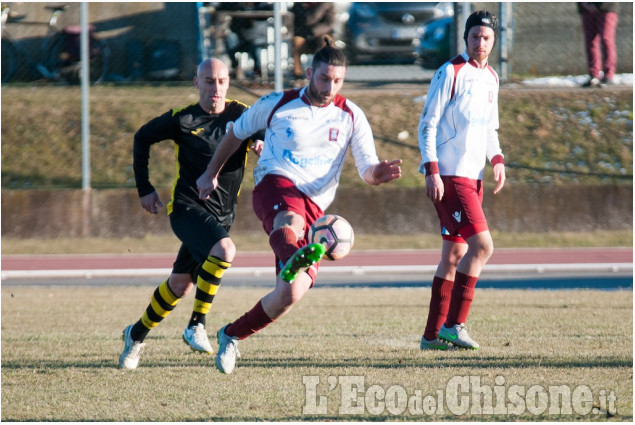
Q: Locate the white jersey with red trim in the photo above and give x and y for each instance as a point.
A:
(307, 144)
(458, 129)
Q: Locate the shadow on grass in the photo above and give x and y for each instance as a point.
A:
(450, 360)
(457, 359)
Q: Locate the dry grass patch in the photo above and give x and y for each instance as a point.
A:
(258, 242)
(60, 347)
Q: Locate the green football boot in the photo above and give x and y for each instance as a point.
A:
(303, 258)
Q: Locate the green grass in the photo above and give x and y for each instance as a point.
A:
(259, 242)
(60, 349)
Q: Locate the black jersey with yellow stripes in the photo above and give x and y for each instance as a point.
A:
(196, 135)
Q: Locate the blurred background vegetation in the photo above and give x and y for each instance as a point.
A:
(549, 136)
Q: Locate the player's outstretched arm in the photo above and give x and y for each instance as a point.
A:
(383, 172)
(208, 181)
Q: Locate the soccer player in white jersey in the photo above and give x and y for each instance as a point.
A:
(308, 132)
(458, 132)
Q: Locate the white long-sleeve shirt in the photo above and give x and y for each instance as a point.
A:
(458, 129)
(307, 144)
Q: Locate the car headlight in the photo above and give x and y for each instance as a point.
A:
(438, 34)
(365, 11)
(446, 8)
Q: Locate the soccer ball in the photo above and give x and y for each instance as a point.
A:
(335, 233)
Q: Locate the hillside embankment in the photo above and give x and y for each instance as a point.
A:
(569, 154)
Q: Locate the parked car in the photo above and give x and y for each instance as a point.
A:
(433, 46)
(385, 31)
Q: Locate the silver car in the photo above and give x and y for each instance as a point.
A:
(384, 32)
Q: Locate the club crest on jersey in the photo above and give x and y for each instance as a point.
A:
(333, 133)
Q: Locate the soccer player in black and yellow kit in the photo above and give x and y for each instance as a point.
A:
(201, 225)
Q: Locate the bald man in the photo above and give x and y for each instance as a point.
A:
(202, 225)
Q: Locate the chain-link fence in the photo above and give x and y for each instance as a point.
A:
(135, 43)
(165, 41)
(137, 48)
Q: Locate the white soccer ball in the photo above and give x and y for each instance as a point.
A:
(335, 233)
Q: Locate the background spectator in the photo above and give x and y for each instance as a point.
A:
(599, 23)
(311, 23)
(243, 35)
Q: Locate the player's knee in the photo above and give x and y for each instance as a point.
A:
(455, 258)
(224, 249)
(484, 247)
(180, 284)
(289, 219)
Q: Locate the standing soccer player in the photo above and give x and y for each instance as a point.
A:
(201, 225)
(308, 132)
(458, 131)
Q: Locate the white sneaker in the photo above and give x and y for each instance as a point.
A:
(435, 344)
(458, 336)
(196, 338)
(129, 359)
(227, 351)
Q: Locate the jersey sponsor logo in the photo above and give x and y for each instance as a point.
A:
(316, 161)
(477, 120)
(297, 118)
(333, 134)
(197, 131)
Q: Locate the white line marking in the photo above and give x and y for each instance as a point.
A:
(353, 270)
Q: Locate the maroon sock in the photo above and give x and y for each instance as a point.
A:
(439, 305)
(284, 243)
(249, 323)
(462, 296)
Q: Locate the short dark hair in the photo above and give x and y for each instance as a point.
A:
(329, 54)
(481, 18)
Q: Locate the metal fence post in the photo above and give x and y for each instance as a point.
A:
(85, 88)
(506, 37)
(85, 82)
(461, 13)
(277, 23)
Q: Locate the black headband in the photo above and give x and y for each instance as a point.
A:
(481, 18)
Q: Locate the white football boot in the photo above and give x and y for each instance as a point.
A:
(129, 359)
(196, 338)
(458, 336)
(227, 351)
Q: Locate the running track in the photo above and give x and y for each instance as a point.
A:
(604, 261)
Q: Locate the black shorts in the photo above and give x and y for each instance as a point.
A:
(199, 231)
(185, 263)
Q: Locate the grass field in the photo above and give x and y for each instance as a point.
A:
(60, 347)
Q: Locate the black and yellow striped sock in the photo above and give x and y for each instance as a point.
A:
(207, 283)
(161, 304)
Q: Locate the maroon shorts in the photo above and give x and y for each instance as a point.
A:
(275, 194)
(460, 211)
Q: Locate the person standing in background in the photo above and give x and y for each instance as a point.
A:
(312, 22)
(599, 24)
(458, 133)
